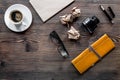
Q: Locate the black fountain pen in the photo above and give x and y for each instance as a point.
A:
(105, 12)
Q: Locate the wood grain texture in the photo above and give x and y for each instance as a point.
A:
(32, 56)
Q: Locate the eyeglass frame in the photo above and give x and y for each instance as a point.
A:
(61, 48)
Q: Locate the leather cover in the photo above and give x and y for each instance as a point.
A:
(93, 54)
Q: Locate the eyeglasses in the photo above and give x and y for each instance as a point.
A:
(57, 41)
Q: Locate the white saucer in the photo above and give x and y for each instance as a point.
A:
(27, 19)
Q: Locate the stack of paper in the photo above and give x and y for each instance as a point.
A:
(47, 8)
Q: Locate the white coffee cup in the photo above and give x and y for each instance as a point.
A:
(17, 18)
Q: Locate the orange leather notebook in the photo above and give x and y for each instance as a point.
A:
(93, 53)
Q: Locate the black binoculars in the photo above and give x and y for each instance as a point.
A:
(90, 24)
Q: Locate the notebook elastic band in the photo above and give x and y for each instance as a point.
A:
(92, 49)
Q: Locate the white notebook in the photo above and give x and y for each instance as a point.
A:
(48, 8)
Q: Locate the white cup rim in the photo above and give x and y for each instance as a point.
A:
(15, 23)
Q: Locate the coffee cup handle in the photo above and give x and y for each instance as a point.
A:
(23, 23)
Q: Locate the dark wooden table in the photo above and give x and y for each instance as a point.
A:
(32, 56)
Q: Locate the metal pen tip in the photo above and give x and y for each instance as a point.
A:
(102, 7)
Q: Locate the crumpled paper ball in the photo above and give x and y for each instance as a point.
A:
(76, 12)
(67, 18)
(73, 34)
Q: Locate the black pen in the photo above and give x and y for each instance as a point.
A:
(107, 15)
(111, 11)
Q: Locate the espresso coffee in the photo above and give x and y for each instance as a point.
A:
(16, 16)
